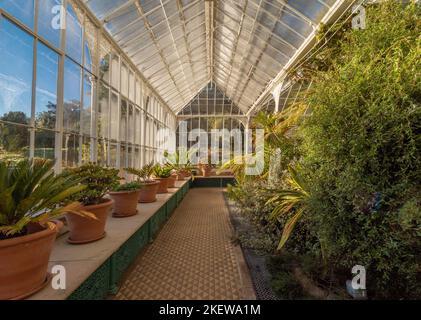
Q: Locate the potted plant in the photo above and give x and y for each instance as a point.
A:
(172, 179)
(180, 163)
(162, 174)
(205, 168)
(30, 196)
(99, 181)
(149, 186)
(125, 197)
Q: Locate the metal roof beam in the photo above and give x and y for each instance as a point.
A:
(338, 6)
(210, 26)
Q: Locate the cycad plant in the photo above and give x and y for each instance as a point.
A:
(290, 202)
(144, 174)
(30, 192)
(162, 172)
(180, 160)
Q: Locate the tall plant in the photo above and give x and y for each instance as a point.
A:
(361, 147)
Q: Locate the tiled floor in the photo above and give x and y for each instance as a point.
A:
(193, 256)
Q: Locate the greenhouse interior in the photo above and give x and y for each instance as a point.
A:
(210, 150)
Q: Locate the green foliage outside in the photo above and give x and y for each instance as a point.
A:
(357, 151)
(98, 181)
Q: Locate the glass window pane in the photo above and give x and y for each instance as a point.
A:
(14, 142)
(49, 21)
(138, 125)
(123, 121)
(88, 57)
(124, 81)
(90, 45)
(138, 93)
(101, 148)
(114, 120)
(130, 125)
(46, 91)
(44, 144)
(103, 109)
(16, 48)
(130, 157)
(70, 150)
(86, 149)
(132, 88)
(21, 9)
(113, 155)
(104, 61)
(123, 156)
(87, 103)
(73, 35)
(72, 81)
(115, 71)
(137, 158)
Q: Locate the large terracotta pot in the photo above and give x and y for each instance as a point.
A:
(24, 262)
(148, 192)
(163, 185)
(125, 203)
(172, 180)
(85, 230)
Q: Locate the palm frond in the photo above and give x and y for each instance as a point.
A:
(30, 191)
(290, 202)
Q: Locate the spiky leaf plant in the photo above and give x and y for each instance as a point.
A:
(180, 160)
(145, 174)
(292, 202)
(30, 192)
(162, 172)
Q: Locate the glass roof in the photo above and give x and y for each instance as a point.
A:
(182, 45)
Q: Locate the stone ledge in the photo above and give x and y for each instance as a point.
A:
(83, 261)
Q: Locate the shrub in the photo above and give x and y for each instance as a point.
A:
(283, 282)
(361, 150)
(98, 181)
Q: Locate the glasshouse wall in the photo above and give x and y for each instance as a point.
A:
(210, 113)
(67, 92)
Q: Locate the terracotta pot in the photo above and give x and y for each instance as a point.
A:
(180, 176)
(163, 185)
(172, 180)
(125, 203)
(85, 230)
(148, 192)
(206, 171)
(24, 262)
